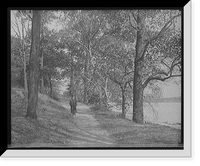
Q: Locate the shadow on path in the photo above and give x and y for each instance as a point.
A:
(87, 131)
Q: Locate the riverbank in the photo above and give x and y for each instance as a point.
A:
(129, 134)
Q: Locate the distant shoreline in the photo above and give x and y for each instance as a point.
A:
(164, 100)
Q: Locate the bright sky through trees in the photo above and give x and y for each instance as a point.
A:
(54, 25)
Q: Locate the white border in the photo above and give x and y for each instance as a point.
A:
(97, 153)
(187, 78)
(136, 153)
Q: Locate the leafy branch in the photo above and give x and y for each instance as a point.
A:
(159, 35)
(164, 28)
(167, 75)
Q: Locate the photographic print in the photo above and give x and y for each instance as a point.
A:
(95, 79)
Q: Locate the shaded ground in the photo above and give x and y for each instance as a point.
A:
(88, 129)
(129, 134)
(56, 127)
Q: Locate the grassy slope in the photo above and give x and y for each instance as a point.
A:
(55, 127)
(130, 134)
(50, 129)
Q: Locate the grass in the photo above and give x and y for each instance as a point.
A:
(129, 134)
(49, 129)
(56, 127)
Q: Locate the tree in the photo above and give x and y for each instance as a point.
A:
(52, 59)
(70, 59)
(34, 66)
(114, 62)
(46, 17)
(83, 27)
(20, 26)
(17, 75)
(120, 71)
(113, 55)
(155, 30)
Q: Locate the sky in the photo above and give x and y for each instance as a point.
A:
(12, 21)
(53, 25)
(170, 89)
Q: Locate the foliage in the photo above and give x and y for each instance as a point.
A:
(100, 48)
(94, 99)
(156, 91)
(16, 63)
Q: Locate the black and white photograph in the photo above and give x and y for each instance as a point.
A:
(97, 79)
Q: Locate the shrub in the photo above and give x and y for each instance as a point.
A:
(17, 77)
(94, 99)
(18, 98)
(66, 94)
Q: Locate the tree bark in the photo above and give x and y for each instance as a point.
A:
(86, 67)
(85, 79)
(42, 75)
(123, 103)
(141, 46)
(34, 67)
(50, 86)
(72, 80)
(25, 75)
(25, 80)
(42, 89)
(106, 92)
(24, 57)
(138, 116)
(142, 43)
(100, 96)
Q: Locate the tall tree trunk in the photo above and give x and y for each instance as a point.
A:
(24, 56)
(34, 67)
(100, 96)
(42, 75)
(106, 92)
(42, 89)
(72, 81)
(85, 91)
(123, 103)
(85, 79)
(25, 75)
(50, 86)
(141, 44)
(25, 80)
(106, 89)
(86, 67)
(24, 68)
(137, 99)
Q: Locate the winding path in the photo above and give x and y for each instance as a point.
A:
(87, 132)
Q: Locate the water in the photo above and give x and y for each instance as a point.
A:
(166, 113)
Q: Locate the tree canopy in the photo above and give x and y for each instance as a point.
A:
(112, 54)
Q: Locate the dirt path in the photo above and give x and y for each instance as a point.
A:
(90, 127)
(56, 126)
(87, 131)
